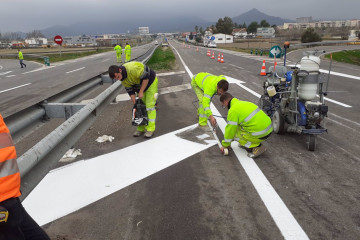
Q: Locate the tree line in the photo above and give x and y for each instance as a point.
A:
(10, 36)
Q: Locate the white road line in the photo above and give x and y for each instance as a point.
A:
(75, 70)
(345, 119)
(333, 73)
(4, 73)
(14, 88)
(169, 73)
(74, 186)
(10, 76)
(287, 224)
(336, 102)
(105, 60)
(39, 69)
(236, 66)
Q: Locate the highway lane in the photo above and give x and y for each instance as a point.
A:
(206, 195)
(21, 88)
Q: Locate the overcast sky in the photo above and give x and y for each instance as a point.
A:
(27, 15)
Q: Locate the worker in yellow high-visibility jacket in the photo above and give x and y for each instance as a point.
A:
(205, 86)
(247, 124)
(139, 79)
(21, 58)
(127, 52)
(118, 50)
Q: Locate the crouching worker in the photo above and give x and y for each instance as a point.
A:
(205, 87)
(139, 79)
(247, 124)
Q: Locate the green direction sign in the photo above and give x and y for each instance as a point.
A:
(275, 51)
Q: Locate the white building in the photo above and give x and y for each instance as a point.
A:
(143, 30)
(323, 24)
(80, 40)
(36, 41)
(223, 38)
(265, 32)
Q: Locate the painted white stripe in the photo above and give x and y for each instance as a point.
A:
(338, 103)
(345, 119)
(75, 185)
(75, 70)
(249, 90)
(4, 73)
(39, 69)
(169, 73)
(287, 224)
(236, 66)
(14, 88)
(233, 80)
(105, 60)
(333, 73)
(10, 76)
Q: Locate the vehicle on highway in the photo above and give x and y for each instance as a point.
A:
(156, 43)
(165, 44)
(211, 44)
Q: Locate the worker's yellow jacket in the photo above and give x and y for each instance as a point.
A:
(118, 49)
(208, 84)
(127, 49)
(246, 118)
(135, 73)
(21, 57)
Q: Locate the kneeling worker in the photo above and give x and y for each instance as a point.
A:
(246, 123)
(206, 86)
(138, 78)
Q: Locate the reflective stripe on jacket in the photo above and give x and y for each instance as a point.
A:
(208, 83)
(9, 171)
(249, 117)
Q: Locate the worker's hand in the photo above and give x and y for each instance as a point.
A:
(212, 120)
(141, 94)
(222, 150)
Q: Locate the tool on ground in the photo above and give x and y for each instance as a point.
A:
(4, 214)
(213, 131)
(139, 116)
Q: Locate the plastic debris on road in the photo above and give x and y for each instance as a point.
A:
(70, 155)
(105, 138)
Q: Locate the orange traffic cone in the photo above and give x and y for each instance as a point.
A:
(263, 69)
(222, 58)
(208, 53)
(219, 59)
(213, 55)
(197, 49)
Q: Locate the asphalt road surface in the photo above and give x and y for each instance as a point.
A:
(177, 185)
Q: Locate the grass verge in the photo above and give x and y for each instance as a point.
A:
(352, 57)
(162, 59)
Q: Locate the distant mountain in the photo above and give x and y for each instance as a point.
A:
(255, 15)
(179, 24)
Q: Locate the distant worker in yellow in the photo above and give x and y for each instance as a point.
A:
(21, 59)
(118, 50)
(205, 86)
(127, 52)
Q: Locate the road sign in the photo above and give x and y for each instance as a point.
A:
(275, 51)
(58, 39)
(212, 38)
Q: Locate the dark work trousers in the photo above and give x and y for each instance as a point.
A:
(22, 63)
(19, 226)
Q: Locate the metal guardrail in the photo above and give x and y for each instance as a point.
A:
(39, 160)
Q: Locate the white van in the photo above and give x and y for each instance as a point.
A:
(211, 44)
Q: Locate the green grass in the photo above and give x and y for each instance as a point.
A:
(162, 59)
(352, 57)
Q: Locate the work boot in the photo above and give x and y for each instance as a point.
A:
(149, 134)
(257, 151)
(137, 133)
(243, 147)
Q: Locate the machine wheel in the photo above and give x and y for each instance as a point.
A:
(311, 142)
(278, 122)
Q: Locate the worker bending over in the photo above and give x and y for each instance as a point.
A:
(206, 86)
(247, 124)
(139, 79)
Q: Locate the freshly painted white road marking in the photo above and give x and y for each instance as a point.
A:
(10, 76)
(236, 66)
(169, 73)
(84, 182)
(4, 73)
(14, 88)
(75, 70)
(333, 73)
(287, 224)
(336, 102)
(39, 69)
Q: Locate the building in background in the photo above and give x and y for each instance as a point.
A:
(143, 30)
(304, 20)
(354, 23)
(223, 38)
(265, 32)
(83, 41)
